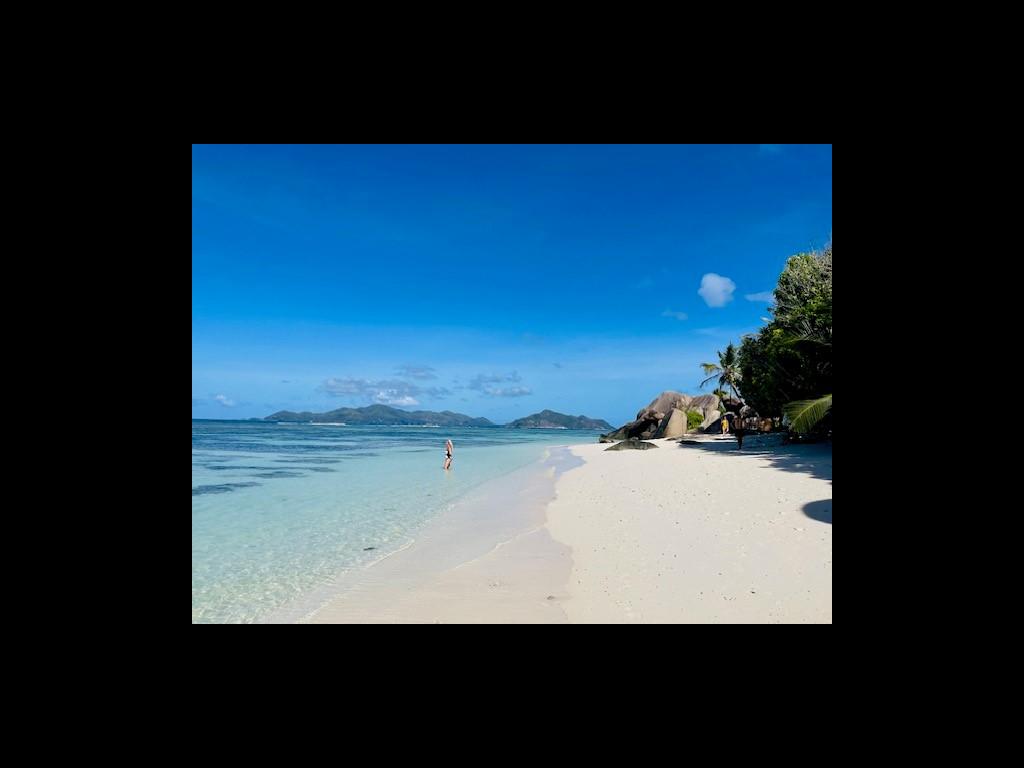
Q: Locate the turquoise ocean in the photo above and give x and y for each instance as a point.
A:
(280, 509)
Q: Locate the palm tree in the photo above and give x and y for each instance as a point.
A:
(804, 414)
(727, 371)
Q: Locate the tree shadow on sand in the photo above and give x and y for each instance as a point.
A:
(813, 459)
(819, 510)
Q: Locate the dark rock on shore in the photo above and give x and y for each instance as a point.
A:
(631, 445)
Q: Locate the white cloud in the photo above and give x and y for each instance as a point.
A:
(493, 378)
(724, 333)
(342, 387)
(390, 397)
(676, 315)
(387, 392)
(416, 371)
(765, 296)
(224, 400)
(716, 290)
(508, 391)
(485, 384)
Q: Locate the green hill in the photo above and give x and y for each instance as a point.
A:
(383, 415)
(553, 420)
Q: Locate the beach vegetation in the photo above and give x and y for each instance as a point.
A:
(693, 420)
(786, 367)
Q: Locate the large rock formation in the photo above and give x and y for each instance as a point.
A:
(673, 425)
(731, 404)
(665, 416)
(712, 418)
(703, 403)
(665, 402)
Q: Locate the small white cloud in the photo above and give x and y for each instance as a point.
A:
(724, 333)
(765, 296)
(416, 371)
(716, 290)
(224, 400)
(676, 315)
(389, 392)
(507, 391)
(484, 383)
(391, 397)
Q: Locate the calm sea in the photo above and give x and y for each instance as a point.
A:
(279, 509)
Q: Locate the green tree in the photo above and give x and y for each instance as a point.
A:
(790, 359)
(727, 370)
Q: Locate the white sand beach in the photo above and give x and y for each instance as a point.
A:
(698, 533)
(512, 384)
(686, 533)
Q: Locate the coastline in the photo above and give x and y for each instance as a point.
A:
(484, 560)
(694, 532)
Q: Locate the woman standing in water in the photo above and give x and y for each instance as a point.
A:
(449, 449)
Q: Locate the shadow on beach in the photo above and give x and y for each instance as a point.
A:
(814, 459)
(819, 510)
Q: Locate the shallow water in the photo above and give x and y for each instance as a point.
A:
(278, 510)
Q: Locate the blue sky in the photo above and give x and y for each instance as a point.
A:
(491, 280)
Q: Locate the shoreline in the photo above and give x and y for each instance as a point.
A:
(693, 532)
(468, 565)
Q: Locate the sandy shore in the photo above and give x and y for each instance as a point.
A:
(685, 533)
(698, 533)
(488, 560)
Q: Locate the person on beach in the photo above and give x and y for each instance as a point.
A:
(725, 425)
(739, 431)
(449, 449)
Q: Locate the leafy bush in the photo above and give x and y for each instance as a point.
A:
(693, 420)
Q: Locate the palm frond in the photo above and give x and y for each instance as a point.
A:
(804, 414)
(710, 368)
(728, 359)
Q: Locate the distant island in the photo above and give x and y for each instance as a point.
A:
(384, 415)
(552, 420)
(376, 415)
